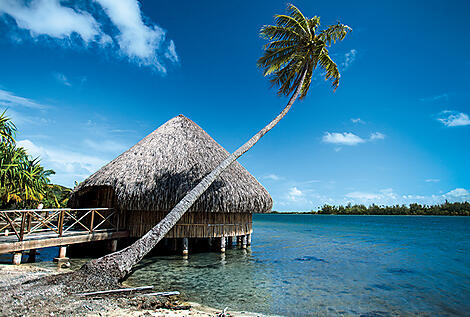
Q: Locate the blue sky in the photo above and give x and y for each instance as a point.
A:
(85, 80)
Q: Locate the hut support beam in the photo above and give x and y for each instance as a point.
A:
(62, 252)
(222, 244)
(32, 256)
(229, 242)
(185, 246)
(112, 245)
(61, 258)
(17, 258)
(244, 241)
(248, 239)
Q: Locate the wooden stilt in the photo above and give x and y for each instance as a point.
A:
(112, 245)
(244, 241)
(62, 252)
(239, 241)
(248, 239)
(229, 242)
(32, 256)
(61, 258)
(222, 244)
(17, 258)
(185, 246)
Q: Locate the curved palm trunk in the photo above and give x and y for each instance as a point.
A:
(119, 264)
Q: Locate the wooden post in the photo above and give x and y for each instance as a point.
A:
(62, 252)
(230, 241)
(60, 223)
(61, 258)
(185, 246)
(92, 220)
(29, 222)
(244, 240)
(23, 225)
(248, 239)
(239, 240)
(112, 245)
(17, 258)
(222, 244)
(32, 256)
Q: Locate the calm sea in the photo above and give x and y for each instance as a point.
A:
(304, 265)
(310, 265)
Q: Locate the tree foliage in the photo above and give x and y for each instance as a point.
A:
(296, 45)
(445, 209)
(22, 178)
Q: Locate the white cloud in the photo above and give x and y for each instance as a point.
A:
(458, 194)
(105, 146)
(62, 79)
(435, 98)
(273, 177)
(453, 118)
(357, 120)
(349, 58)
(384, 194)
(171, 52)
(49, 17)
(69, 166)
(376, 136)
(294, 194)
(432, 180)
(9, 99)
(137, 40)
(345, 138)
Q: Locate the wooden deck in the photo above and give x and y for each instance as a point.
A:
(30, 229)
(50, 239)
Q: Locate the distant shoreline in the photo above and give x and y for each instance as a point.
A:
(445, 209)
(319, 214)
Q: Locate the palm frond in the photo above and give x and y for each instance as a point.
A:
(334, 33)
(295, 48)
(298, 16)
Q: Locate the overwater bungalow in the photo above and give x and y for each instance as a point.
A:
(145, 182)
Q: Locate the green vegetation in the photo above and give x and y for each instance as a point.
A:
(23, 181)
(445, 209)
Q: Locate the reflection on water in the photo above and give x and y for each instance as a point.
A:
(303, 265)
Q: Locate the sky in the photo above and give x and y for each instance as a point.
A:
(85, 80)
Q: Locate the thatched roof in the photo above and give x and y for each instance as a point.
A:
(159, 170)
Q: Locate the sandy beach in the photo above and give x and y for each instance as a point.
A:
(47, 302)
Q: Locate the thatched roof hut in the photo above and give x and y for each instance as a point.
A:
(147, 180)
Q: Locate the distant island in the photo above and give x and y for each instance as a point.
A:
(445, 209)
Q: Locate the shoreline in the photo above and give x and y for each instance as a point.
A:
(12, 276)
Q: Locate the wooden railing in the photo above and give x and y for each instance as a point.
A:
(58, 222)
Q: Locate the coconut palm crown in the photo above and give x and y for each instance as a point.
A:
(297, 46)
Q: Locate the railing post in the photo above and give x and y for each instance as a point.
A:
(92, 219)
(118, 219)
(28, 229)
(61, 222)
(23, 224)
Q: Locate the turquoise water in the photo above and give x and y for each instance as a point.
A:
(303, 265)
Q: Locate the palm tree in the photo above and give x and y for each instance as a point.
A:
(7, 129)
(295, 49)
(22, 178)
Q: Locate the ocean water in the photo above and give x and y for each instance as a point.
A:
(310, 265)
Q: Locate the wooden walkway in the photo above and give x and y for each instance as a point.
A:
(31, 229)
